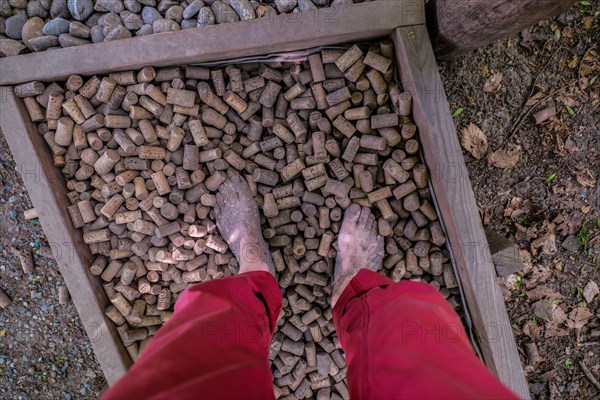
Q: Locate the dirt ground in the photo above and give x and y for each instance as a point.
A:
(537, 184)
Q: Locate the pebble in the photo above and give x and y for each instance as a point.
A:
(14, 25)
(35, 9)
(120, 32)
(149, 3)
(5, 8)
(131, 21)
(32, 29)
(189, 24)
(164, 25)
(56, 27)
(115, 6)
(133, 5)
(21, 4)
(2, 25)
(284, 6)
(59, 9)
(175, 13)
(223, 13)
(164, 5)
(193, 9)
(146, 29)
(68, 40)
(571, 243)
(81, 9)
(79, 30)
(150, 14)
(305, 5)
(244, 9)
(206, 17)
(93, 20)
(44, 42)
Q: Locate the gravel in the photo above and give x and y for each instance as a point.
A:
(135, 18)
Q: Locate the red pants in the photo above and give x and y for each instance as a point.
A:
(402, 341)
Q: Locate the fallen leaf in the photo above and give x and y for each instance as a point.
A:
(534, 99)
(493, 82)
(546, 242)
(505, 158)
(590, 291)
(578, 317)
(585, 178)
(474, 141)
(552, 330)
(3, 332)
(532, 330)
(542, 292)
(570, 145)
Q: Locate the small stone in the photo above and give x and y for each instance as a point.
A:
(68, 40)
(96, 34)
(32, 29)
(92, 20)
(571, 243)
(164, 5)
(80, 9)
(56, 26)
(244, 9)
(5, 8)
(305, 5)
(120, 32)
(131, 21)
(59, 9)
(20, 4)
(79, 30)
(146, 29)
(35, 9)
(43, 43)
(14, 26)
(193, 9)
(115, 6)
(175, 13)
(189, 24)
(164, 25)
(46, 4)
(133, 5)
(223, 13)
(10, 47)
(285, 6)
(150, 14)
(206, 17)
(2, 25)
(590, 291)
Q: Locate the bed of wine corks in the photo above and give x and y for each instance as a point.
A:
(144, 153)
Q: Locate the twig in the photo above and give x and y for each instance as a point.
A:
(583, 59)
(521, 120)
(520, 117)
(589, 375)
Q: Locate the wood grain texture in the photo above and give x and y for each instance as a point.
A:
(218, 42)
(47, 190)
(452, 188)
(457, 27)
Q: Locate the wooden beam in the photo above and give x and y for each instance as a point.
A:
(291, 32)
(457, 27)
(47, 190)
(456, 201)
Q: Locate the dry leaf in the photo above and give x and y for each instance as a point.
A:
(505, 158)
(585, 178)
(579, 317)
(474, 141)
(590, 291)
(542, 292)
(493, 82)
(534, 99)
(547, 242)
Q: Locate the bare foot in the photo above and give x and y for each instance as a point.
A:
(238, 221)
(359, 246)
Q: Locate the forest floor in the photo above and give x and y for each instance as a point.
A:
(536, 184)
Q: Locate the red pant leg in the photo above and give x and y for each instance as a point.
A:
(215, 346)
(404, 341)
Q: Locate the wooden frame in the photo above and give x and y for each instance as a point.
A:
(419, 75)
